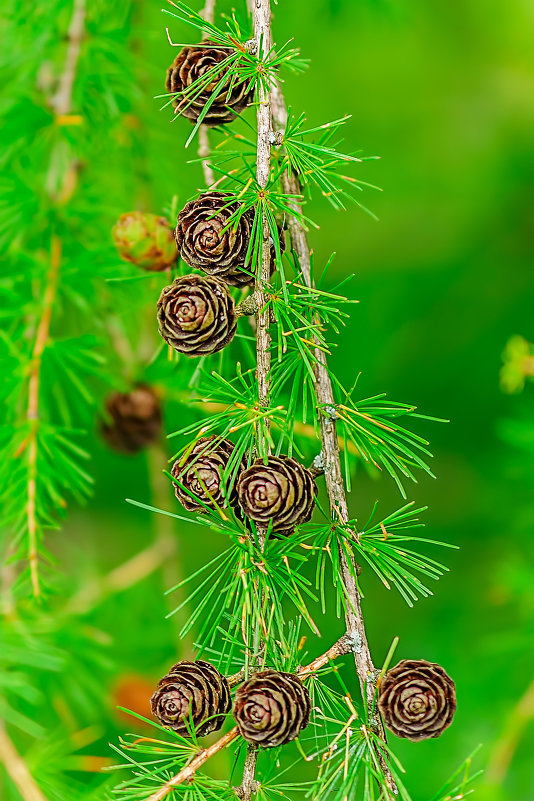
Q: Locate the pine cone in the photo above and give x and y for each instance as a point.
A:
(417, 699)
(196, 315)
(146, 240)
(271, 708)
(192, 63)
(207, 242)
(135, 419)
(201, 472)
(191, 692)
(282, 491)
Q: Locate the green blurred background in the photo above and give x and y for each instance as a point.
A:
(443, 92)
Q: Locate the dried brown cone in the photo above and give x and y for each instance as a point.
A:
(417, 699)
(190, 693)
(193, 62)
(196, 315)
(135, 419)
(271, 708)
(282, 491)
(202, 472)
(208, 242)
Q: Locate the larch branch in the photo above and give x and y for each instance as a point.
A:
(208, 12)
(365, 669)
(261, 19)
(32, 414)
(342, 646)
(17, 769)
(62, 100)
(61, 103)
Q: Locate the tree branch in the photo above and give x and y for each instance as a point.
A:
(32, 414)
(17, 770)
(261, 19)
(505, 747)
(208, 12)
(367, 674)
(204, 154)
(261, 16)
(159, 554)
(342, 646)
(61, 102)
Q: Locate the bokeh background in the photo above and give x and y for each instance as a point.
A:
(443, 93)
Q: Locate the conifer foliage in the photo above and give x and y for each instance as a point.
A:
(238, 338)
(244, 479)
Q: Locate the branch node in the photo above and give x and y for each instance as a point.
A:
(243, 793)
(355, 641)
(330, 412)
(318, 465)
(247, 307)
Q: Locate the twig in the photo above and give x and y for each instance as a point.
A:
(342, 646)
(32, 414)
(61, 102)
(506, 745)
(187, 773)
(204, 153)
(365, 669)
(144, 563)
(261, 19)
(122, 577)
(208, 12)
(17, 770)
(262, 32)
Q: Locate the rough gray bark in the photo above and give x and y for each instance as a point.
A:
(261, 18)
(356, 633)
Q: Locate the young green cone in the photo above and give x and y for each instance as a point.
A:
(145, 240)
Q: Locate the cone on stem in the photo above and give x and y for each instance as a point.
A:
(271, 708)
(191, 694)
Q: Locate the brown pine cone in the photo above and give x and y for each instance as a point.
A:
(145, 240)
(191, 692)
(417, 699)
(271, 708)
(196, 315)
(201, 472)
(207, 242)
(282, 490)
(191, 63)
(135, 419)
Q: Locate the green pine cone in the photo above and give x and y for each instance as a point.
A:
(145, 240)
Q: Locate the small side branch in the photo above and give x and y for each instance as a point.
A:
(505, 747)
(204, 154)
(32, 414)
(208, 12)
(17, 769)
(342, 646)
(249, 785)
(187, 773)
(61, 102)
